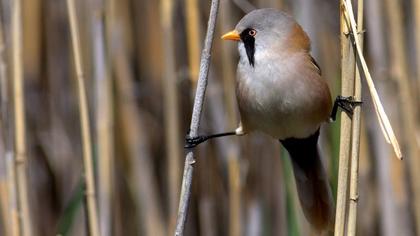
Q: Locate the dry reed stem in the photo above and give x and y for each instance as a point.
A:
(416, 14)
(141, 179)
(90, 196)
(231, 119)
(193, 38)
(104, 118)
(408, 103)
(13, 198)
(380, 112)
(234, 195)
(4, 199)
(228, 66)
(171, 107)
(8, 191)
(4, 93)
(347, 89)
(19, 117)
(195, 119)
(5, 206)
(355, 142)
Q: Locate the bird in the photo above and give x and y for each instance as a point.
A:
(280, 92)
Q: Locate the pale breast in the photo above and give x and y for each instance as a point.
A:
(283, 98)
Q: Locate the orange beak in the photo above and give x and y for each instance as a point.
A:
(232, 35)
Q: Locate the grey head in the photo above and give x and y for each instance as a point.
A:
(269, 31)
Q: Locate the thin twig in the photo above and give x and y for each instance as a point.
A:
(347, 89)
(195, 119)
(355, 139)
(90, 195)
(19, 116)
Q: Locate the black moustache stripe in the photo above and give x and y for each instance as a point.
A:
(249, 43)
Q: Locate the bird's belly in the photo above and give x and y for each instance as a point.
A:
(280, 124)
(281, 112)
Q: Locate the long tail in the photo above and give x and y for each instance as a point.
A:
(311, 181)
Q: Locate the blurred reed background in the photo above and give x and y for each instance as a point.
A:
(140, 60)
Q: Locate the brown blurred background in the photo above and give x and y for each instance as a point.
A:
(141, 60)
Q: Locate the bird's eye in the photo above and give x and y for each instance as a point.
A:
(252, 32)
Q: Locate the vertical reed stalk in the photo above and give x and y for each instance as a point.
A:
(141, 178)
(7, 184)
(12, 196)
(90, 196)
(19, 117)
(234, 194)
(4, 83)
(195, 119)
(104, 118)
(193, 38)
(382, 117)
(172, 134)
(347, 89)
(355, 136)
(409, 107)
(415, 12)
(228, 71)
(385, 198)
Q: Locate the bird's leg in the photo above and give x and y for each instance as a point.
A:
(191, 142)
(346, 103)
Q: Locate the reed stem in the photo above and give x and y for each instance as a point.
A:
(347, 89)
(409, 105)
(104, 118)
(172, 134)
(19, 116)
(90, 195)
(195, 119)
(355, 142)
(193, 38)
(231, 119)
(9, 207)
(415, 12)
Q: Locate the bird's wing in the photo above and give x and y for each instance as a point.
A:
(315, 64)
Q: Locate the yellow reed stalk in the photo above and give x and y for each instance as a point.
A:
(347, 89)
(193, 38)
(228, 71)
(386, 127)
(8, 187)
(171, 107)
(24, 221)
(409, 105)
(355, 142)
(141, 181)
(90, 196)
(104, 117)
(416, 10)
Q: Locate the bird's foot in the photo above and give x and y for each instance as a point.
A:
(191, 142)
(347, 104)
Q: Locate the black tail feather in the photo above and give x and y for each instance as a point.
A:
(311, 181)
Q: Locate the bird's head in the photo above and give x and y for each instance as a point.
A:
(267, 31)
